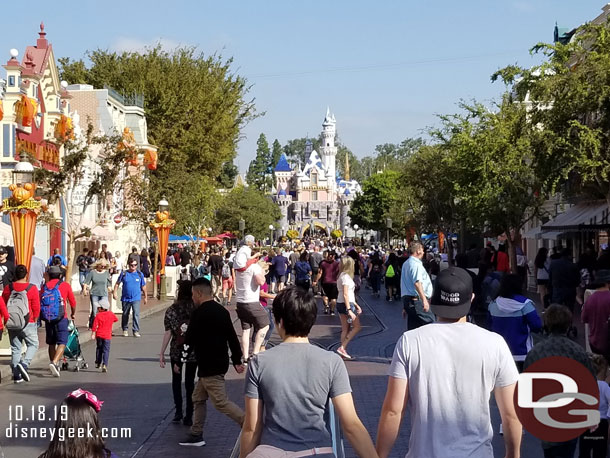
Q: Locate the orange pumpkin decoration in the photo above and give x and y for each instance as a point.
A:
(162, 216)
(150, 159)
(22, 193)
(25, 110)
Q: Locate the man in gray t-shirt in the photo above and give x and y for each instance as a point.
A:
(446, 372)
(289, 386)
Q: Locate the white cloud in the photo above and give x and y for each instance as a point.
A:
(131, 44)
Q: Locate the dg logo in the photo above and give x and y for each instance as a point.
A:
(557, 399)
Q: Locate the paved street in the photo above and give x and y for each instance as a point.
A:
(137, 392)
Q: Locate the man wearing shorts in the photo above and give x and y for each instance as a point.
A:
(329, 272)
(228, 279)
(57, 333)
(249, 310)
(315, 258)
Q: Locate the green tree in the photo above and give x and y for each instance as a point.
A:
(494, 158)
(227, 175)
(371, 207)
(196, 106)
(257, 210)
(92, 170)
(276, 153)
(295, 149)
(260, 167)
(568, 97)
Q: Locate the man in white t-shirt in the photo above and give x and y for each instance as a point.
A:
(446, 372)
(249, 309)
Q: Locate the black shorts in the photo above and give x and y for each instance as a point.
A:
(330, 290)
(252, 315)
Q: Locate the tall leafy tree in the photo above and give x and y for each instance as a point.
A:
(372, 206)
(276, 153)
(568, 97)
(295, 149)
(227, 175)
(259, 171)
(257, 210)
(196, 106)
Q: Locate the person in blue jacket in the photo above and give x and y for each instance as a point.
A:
(514, 317)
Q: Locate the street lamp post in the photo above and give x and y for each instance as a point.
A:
(163, 225)
(356, 227)
(388, 225)
(23, 208)
(271, 235)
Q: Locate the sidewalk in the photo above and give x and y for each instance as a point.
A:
(83, 308)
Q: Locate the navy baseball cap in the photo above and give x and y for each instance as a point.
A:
(452, 293)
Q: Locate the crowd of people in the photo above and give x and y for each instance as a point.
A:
(288, 387)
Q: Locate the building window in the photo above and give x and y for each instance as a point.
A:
(6, 140)
(11, 81)
(314, 179)
(314, 195)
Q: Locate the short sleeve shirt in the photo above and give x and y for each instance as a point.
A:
(346, 280)
(247, 290)
(330, 271)
(413, 271)
(132, 286)
(295, 382)
(449, 404)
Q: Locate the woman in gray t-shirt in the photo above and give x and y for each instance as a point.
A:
(97, 283)
(294, 382)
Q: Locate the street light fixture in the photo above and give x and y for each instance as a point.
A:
(388, 225)
(356, 227)
(271, 228)
(24, 171)
(163, 204)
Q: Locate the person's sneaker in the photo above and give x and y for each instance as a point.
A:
(23, 371)
(193, 441)
(343, 353)
(326, 310)
(104, 368)
(188, 421)
(332, 313)
(177, 418)
(137, 334)
(54, 368)
(17, 378)
(97, 365)
(125, 333)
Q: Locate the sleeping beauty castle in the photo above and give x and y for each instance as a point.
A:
(313, 199)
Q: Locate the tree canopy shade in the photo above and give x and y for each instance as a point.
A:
(257, 210)
(568, 95)
(379, 193)
(195, 106)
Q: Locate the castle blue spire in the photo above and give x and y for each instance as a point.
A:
(283, 165)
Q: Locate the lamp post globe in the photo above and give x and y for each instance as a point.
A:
(271, 234)
(24, 171)
(163, 205)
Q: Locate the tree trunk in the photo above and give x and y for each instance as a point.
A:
(512, 250)
(70, 258)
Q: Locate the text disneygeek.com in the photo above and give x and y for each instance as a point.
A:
(15, 431)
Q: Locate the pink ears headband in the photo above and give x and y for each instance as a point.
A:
(90, 397)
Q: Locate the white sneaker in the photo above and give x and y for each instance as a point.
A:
(125, 333)
(54, 368)
(137, 334)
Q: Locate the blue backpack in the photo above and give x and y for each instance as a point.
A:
(52, 307)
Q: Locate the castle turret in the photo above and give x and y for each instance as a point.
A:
(328, 150)
(345, 201)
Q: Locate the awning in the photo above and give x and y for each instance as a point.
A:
(6, 234)
(98, 232)
(589, 216)
(553, 235)
(533, 233)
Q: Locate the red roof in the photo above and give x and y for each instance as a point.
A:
(36, 57)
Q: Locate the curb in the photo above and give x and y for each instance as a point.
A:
(41, 355)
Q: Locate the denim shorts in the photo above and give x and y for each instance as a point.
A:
(57, 333)
(342, 309)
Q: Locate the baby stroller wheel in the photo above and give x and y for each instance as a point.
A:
(64, 366)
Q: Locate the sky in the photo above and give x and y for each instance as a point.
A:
(386, 68)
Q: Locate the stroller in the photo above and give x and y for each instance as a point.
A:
(73, 352)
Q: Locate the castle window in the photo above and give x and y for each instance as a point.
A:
(314, 179)
(314, 195)
(11, 81)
